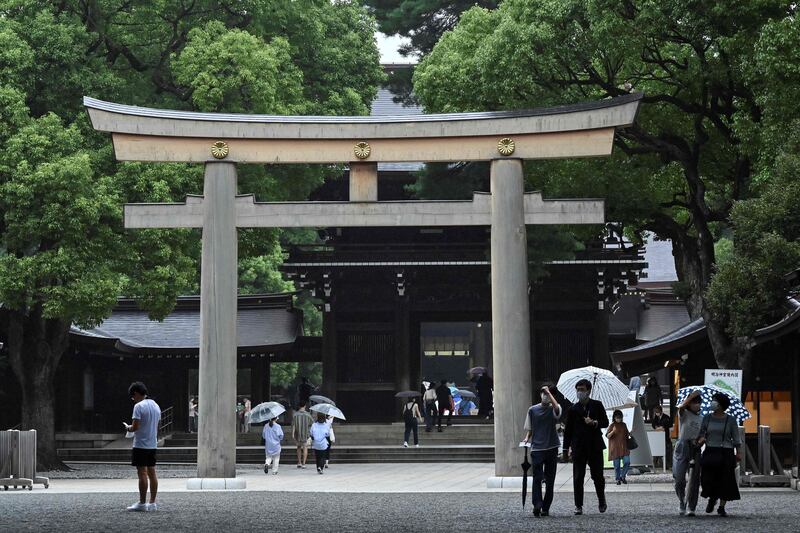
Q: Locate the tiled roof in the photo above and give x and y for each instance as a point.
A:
(384, 105)
(660, 319)
(260, 326)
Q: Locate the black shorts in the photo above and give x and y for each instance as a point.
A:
(143, 457)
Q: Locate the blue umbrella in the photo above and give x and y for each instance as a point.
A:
(736, 409)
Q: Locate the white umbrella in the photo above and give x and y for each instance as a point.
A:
(605, 386)
(328, 410)
(318, 398)
(265, 411)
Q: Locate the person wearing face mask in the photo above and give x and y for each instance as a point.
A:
(540, 425)
(618, 451)
(583, 441)
(686, 457)
(720, 433)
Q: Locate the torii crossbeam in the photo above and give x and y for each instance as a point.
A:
(222, 140)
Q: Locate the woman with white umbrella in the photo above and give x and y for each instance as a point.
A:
(273, 435)
(320, 432)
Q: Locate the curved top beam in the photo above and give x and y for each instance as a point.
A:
(143, 121)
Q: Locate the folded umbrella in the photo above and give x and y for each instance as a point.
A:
(265, 411)
(526, 465)
(407, 394)
(328, 410)
(466, 393)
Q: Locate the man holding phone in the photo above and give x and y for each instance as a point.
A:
(584, 439)
(144, 426)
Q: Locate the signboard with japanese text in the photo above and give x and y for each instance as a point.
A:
(729, 380)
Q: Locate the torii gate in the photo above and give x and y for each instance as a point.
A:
(222, 140)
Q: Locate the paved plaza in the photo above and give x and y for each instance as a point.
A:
(363, 497)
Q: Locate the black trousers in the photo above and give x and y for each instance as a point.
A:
(594, 459)
(442, 409)
(411, 427)
(320, 456)
(544, 465)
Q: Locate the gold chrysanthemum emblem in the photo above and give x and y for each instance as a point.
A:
(505, 146)
(220, 150)
(362, 150)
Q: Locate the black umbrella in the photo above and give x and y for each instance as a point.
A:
(407, 394)
(526, 465)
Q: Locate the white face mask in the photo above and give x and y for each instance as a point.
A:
(617, 420)
(545, 399)
(582, 395)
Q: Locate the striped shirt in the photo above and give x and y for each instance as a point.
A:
(301, 422)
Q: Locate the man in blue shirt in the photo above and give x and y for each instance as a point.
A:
(144, 426)
(540, 424)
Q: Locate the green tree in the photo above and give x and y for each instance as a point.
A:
(422, 21)
(679, 170)
(749, 288)
(65, 257)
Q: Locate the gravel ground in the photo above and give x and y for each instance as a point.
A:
(111, 471)
(247, 511)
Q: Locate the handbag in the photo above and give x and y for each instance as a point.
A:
(632, 444)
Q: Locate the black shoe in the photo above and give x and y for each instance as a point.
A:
(578, 510)
(710, 506)
(619, 482)
(536, 511)
(624, 481)
(721, 511)
(602, 507)
(266, 469)
(545, 513)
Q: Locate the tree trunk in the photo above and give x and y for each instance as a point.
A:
(35, 346)
(694, 263)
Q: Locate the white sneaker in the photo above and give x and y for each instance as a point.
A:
(138, 506)
(152, 507)
(416, 446)
(405, 445)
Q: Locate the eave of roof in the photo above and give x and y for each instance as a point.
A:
(694, 334)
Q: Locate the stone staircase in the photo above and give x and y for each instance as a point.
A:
(355, 443)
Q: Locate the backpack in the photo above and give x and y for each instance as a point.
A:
(408, 414)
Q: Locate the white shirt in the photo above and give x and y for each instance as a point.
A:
(148, 413)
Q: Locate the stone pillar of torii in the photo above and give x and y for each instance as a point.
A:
(221, 141)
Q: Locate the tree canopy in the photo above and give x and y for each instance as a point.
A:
(65, 256)
(699, 143)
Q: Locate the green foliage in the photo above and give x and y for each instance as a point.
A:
(423, 21)
(749, 289)
(260, 275)
(285, 374)
(719, 82)
(238, 72)
(61, 190)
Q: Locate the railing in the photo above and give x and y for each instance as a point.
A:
(165, 425)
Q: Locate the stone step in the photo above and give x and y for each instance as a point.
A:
(366, 434)
(341, 454)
